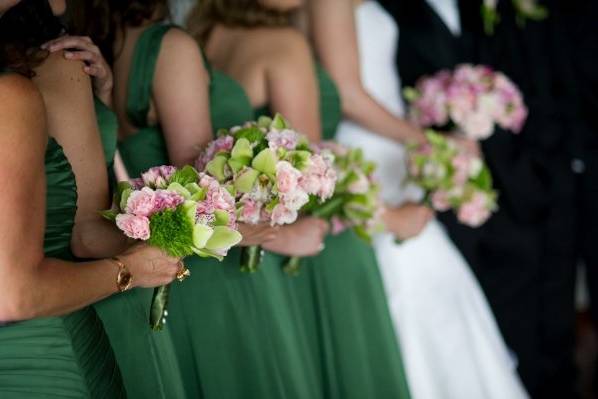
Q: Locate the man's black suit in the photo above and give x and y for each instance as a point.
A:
(523, 257)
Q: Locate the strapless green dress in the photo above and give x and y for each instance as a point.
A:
(58, 357)
(233, 333)
(340, 301)
(146, 358)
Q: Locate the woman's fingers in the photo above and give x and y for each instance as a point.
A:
(67, 42)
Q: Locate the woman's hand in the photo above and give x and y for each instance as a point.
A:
(407, 221)
(413, 135)
(302, 238)
(83, 49)
(257, 234)
(149, 266)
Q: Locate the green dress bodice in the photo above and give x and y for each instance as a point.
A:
(233, 335)
(143, 355)
(58, 357)
(341, 302)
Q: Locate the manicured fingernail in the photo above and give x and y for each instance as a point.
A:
(68, 55)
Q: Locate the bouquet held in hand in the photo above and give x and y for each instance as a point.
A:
(180, 211)
(472, 99)
(270, 170)
(453, 179)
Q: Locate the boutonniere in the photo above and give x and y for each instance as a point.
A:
(525, 9)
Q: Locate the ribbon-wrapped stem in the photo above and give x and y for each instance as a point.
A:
(158, 309)
(251, 258)
(293, 266)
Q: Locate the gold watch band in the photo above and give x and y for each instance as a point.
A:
(124, 279)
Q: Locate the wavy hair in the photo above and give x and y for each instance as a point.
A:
(23, 29)
(242, 13)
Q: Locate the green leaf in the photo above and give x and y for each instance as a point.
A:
(201, 235)
(245, 180)
(198, 196)
(279, 122)
(242, 151)
(253, 134)
(410, 94)
(193, 188)
(124, 197)
(264, 122)
(179, 189)
(222, 218)
(216, 167)
(121, 187)
(223, 239)
(265, 162)
(185, 175)
(299, 159)
(236, 165)
(109, 214)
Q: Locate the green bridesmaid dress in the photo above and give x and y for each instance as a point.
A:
(339, 296)
(233, 333)
(58, 357)
(146, 358)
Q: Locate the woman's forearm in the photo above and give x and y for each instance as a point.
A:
(98, 238)
(55, 287)
(361, 108)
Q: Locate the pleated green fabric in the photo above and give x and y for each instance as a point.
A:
(234, 334)
(58, 357)
(146, 358)
(340, 302)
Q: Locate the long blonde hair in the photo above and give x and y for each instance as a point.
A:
(234, 13)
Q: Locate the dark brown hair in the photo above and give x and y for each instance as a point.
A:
(242, 13)
(23, 29)
(102, 19)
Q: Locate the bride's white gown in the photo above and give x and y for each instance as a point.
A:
(449, 339)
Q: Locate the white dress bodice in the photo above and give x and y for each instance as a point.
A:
(377, 38)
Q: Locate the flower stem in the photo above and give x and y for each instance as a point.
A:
(158, 308)
(251, 257)
(293, 266)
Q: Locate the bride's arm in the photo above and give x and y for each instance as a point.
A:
(332, 24)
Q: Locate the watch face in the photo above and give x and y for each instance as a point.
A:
(124, 280)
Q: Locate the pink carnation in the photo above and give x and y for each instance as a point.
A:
(137, 184)
(319, 178)
(164, 199)
(136, 227)
(287, 177)
(250, 211)
(141, 202)
(476, 211)
(294, 200)
(221, 144)
(461, 164)
(478, 126)
(440, 201)
(282, 215)
(287, 139)
(158, 176)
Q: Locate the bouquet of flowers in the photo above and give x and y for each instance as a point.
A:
(355, 204)
(270, 170)
(180, 211)
(471, 99)
(453, 179)
(525, 9)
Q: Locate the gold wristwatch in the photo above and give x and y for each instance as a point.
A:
(124, 278)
